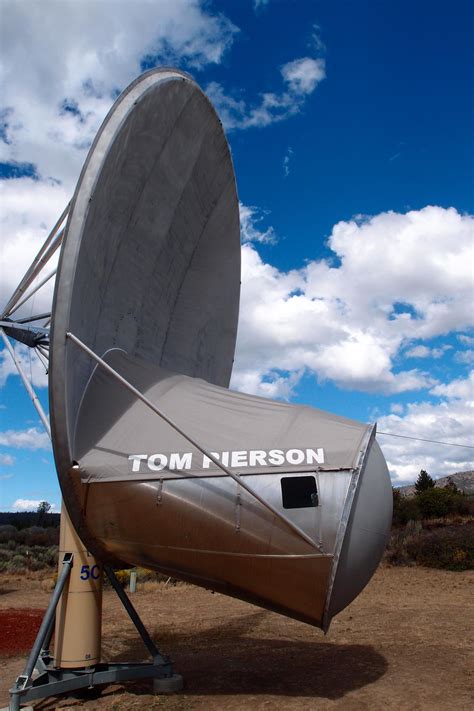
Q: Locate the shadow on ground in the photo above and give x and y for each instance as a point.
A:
(236, 659)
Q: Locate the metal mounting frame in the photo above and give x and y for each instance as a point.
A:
(52, 681)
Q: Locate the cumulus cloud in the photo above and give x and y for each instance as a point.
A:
(30, 208)
(74, 61)
(450, 420)
(348, 319)
(300, 79)
(425, 352)
(52, 109)
(73, 65)
(275, 384)
(461, 388)
(29, 505)
(466, 356)
(31, 438)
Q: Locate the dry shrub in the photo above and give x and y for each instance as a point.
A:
(48, 584)
(449, 546)
(152, 586)
(401, 539)
(147, 580)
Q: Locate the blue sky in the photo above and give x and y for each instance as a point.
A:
(350, 125)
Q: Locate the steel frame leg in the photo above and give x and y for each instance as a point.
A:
(53, 681)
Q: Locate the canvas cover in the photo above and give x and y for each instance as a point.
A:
(118, 438)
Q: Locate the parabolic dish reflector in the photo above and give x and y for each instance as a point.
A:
(150, 262)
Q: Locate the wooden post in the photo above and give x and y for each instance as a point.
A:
(79, 613)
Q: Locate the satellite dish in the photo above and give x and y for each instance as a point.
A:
(160, 465)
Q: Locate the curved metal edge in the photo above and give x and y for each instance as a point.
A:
(88, 383)
(103, 141)
(367, 442)
(68, 256)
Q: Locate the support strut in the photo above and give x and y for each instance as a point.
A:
(52, 681)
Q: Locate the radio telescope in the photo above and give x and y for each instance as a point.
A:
(160, 464)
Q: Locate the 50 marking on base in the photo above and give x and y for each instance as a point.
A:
(88, 571)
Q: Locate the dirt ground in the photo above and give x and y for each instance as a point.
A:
(405, 643)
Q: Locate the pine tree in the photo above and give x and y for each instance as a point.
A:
(44, 507)
(424, 482)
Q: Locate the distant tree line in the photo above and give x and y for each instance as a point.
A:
(25, 519)
(429, 501)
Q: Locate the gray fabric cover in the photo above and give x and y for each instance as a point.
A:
(112, 424)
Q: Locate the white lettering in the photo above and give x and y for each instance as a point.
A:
(136, 459)
(276, 457)
(295, 456)
(181, 461)
(313, 457)
(239, 459)
(206, 462)
(257, 457)
(154, 458)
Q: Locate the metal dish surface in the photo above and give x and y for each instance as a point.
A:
(150, 261)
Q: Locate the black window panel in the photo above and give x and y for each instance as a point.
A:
(299, 492)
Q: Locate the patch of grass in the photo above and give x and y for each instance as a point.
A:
(147, 580)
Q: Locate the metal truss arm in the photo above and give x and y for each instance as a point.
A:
(26, 383)
(45, 253)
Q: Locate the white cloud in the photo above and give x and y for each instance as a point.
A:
(30, 363)
(6, 460)
(300, 77)
(316, 40)
(418, 352)
(446, 422)
(30, 208)
(462, 388)
(425, 352)
(32, 438)
(286, 162)
(303, 75)
(250, 217)
(466, 340)
(74, 61)
(275, 385)
(466, 356)
(350, 321)
(29, 505)
(450, 421)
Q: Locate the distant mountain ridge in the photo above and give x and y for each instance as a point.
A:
(463, 480)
